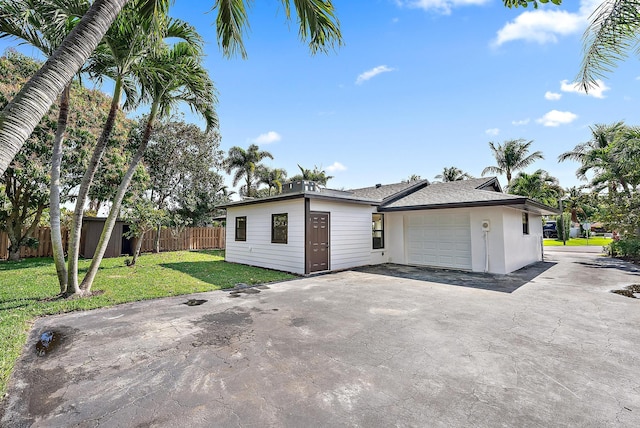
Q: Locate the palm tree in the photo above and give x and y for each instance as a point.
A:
(611, 34)
(510, 157)
(539, 186)
(317, 175)
(132, 38)
(245, 163)
(452, 174)
(43, 25)
(171, 76)
(272, 177)
(599, 156)
(317, 22)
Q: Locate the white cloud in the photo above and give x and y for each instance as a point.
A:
(596, 91)
(369, 74)
(552, 96)
(556, 118)
(441, 6)
(335, 167)
(268, 138)
(546, 24)
(492, 131)
(521, 122)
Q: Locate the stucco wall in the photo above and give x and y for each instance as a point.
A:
(350, 239)
(495, 236)
(521, 250)
(258, 250)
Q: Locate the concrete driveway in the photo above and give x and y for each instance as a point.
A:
(351, 348)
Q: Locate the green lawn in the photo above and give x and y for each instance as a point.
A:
(28, 288)
(596, 241)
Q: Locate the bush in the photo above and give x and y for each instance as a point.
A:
(626, 247)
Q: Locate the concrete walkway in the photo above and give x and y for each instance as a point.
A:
(349, 349)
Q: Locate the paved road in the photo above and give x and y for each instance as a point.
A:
(351, 348)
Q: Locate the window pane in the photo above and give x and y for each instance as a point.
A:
(377, 230)
(279, 228)
(241, 228)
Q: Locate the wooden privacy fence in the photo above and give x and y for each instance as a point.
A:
(191, 238)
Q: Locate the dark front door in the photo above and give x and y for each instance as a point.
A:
(317, 242)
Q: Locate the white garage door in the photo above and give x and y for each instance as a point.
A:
(439, 239)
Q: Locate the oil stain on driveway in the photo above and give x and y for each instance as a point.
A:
(350, 348)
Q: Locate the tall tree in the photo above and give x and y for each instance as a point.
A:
(44, 24)
(452, 174)
(317, 25)
(601, 156)
(245, 163)
(174, 74)
(273, 178)
(539, 186)
(511, 156)
(132, 38)
(179, 154)
(28, 174)
(317, 175)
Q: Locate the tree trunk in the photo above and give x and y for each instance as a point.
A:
(136, 253)
(156, 244)
(23, 113)
(87, 282)
(14, 253)
(83, 192)
(54, 194)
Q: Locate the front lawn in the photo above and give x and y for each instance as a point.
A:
(27, 289)
(596, 241)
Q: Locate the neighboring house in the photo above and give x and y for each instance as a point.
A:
(467, 225)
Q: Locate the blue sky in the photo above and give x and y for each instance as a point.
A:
(418, 85)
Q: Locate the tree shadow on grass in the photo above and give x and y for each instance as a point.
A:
(212, 272)
(485, 281)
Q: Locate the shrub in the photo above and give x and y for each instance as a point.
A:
(626, 247)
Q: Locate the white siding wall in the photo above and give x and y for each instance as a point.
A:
(258, 250)
(521, 250)
(350, 239)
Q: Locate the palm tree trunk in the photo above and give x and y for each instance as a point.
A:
(87, 179)
(54, 194)
(85, 286)
(23, 113)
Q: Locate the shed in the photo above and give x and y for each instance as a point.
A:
(91, 231)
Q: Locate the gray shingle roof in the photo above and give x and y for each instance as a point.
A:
(454, 192)
(382, 192)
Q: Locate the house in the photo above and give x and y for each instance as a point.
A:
(466, 225)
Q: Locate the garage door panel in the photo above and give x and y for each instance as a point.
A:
(441, 240)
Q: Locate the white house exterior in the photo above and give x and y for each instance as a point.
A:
(466, 225)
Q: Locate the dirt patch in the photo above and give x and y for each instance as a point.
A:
(629, 291)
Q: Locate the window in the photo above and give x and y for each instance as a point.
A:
(525, 223)
(241, 228)
(279, 228)
(377, 226)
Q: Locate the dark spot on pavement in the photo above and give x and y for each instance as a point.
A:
(48, 342)
(236, 293)
(629, 291)
(298, 322)
(275, 309)
(223, 328)
(195, 302)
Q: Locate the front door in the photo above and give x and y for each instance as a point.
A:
(317, 249)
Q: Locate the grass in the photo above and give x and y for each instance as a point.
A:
(28, 289)
(596, 241)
